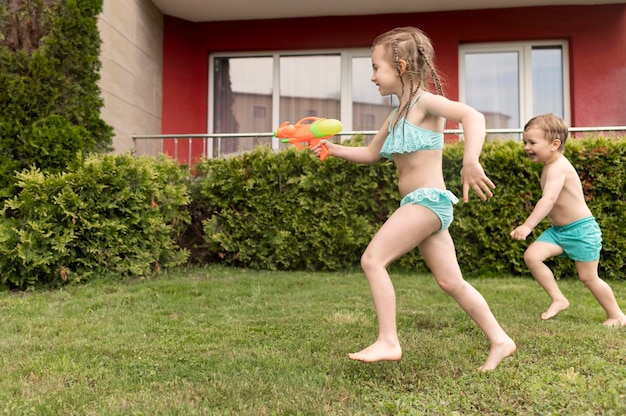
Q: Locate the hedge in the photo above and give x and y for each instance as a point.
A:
(104, 216)
(289, 211)
(120, 215)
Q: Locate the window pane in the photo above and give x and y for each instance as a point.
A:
(547, 63)
(369, 108)
(242, 102)
(492, 87)
(309, 87)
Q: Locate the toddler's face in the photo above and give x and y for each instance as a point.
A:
(537, 147)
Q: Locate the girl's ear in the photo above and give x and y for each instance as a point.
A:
(402, 65)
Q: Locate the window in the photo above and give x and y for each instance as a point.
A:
(243, 86)
(513, 82)
(254, 94)
(260, 111)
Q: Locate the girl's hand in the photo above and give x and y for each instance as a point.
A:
(317, 149)
(473, 176)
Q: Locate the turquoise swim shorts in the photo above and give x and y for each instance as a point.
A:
(580, 240)
(438, 201)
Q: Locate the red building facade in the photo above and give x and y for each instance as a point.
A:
(595, 37)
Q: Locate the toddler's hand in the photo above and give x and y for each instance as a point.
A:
(521, 232)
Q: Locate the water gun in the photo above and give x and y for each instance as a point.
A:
(309, 131)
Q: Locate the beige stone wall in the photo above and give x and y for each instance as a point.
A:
(132, 70)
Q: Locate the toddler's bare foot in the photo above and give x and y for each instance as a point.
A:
(615, 322)
(497, 353)
(378, 351)
(556, 307)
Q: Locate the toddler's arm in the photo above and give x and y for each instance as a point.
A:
(554, 182)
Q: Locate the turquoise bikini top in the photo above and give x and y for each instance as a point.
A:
(408, 138)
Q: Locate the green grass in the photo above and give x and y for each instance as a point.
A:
(218, 341)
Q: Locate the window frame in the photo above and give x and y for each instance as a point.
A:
(346, 56)
(524, 50)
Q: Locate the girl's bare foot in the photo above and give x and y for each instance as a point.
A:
(497, 353)
(615, 322)
(378, 351)
(556, 307)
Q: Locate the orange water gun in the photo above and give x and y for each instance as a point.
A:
(308, 132)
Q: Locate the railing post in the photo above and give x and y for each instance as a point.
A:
(189, 152)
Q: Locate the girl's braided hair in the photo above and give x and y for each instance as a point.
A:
(415, 48)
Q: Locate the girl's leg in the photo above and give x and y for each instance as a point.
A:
(588, 274)
(534, 258)
(440, 255)
(403, 231)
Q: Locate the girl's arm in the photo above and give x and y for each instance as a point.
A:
(362, 154)
(474, 131)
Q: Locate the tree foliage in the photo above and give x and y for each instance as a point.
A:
(50, 99)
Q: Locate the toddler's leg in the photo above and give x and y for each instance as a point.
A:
(534, 258)
(439, 253)
(588, 274)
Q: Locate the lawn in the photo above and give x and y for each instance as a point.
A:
(220, 341)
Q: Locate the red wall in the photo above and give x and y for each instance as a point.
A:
(597, 36)
(185, 80)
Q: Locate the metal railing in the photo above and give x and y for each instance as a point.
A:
(211, 142)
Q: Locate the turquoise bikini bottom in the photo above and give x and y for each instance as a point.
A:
(439, 201)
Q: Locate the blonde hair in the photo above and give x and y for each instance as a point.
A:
(414, 47)
(553, 127)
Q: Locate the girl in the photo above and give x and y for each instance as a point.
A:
(412, 136)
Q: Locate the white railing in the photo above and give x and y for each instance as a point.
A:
(211, 142)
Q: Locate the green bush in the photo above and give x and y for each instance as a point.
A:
(481, 230)
(290, 211)
(106, 215)
(123, 215)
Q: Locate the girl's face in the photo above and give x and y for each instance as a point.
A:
(384, 74)
(538, 148)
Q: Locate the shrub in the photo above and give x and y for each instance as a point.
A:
(105, 215)
(290, 211)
